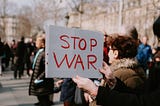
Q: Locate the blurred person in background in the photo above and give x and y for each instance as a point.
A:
(107, 39)
(1, 55)
(20, 58)
(144, 54)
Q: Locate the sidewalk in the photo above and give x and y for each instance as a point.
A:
(15, 92)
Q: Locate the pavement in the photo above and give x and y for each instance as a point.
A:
(15, 92)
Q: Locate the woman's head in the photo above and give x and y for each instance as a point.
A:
(122, 47)
(40, 41)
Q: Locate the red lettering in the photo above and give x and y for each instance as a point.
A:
(84, 44)
(69, 64)
(79, 60)
(93, 43)
(74, 41)
(67, 44)
(91, 61)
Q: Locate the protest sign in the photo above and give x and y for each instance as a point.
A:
(71, 52)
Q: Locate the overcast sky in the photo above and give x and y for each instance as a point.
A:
(22, 2)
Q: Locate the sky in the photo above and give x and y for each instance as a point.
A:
(22, 2)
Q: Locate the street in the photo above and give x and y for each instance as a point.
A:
(15, 92)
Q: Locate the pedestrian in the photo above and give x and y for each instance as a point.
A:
(13, 53)
(7, 51)
(20, 58)
(40, 86)
(144, 53)
(1, 55)
(29, 50)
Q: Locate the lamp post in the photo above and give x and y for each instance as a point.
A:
(120, 14)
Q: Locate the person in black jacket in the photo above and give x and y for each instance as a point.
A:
(40, 86)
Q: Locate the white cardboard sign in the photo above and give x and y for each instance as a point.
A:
(71, 52)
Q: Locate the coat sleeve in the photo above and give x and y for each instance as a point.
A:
(107, 97)
(42, 67)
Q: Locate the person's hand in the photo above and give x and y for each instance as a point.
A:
(108, 75)
(58, 83)
(30, 72)
(87, 97)
(86, 85)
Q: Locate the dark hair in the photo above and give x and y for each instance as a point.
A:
(156, 27)
(126, 46)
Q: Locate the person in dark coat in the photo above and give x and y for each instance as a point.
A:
(1, 55)
(67, 92)
(154, 72)
(39, 85)
(7, 51)
(19, 58)
(30, 48)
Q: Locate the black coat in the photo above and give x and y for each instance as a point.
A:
(123, 96)
(21, 51)
(44, 88)
(126, 97)
(68, 90)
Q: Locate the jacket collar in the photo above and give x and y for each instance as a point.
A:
(124, 63)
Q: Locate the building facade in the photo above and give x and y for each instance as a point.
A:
(13, 27)
(108, 17)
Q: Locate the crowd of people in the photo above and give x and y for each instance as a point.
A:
(16, 56)
(131, 72)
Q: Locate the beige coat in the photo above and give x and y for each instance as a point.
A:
(128, 71)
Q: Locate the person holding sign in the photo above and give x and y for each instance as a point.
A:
(39, 85)
(123, 66)
(119, 94)
(123, 50)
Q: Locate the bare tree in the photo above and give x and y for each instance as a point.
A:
(24, 26)
(43, 11)
(6, 10)
(3, 16)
